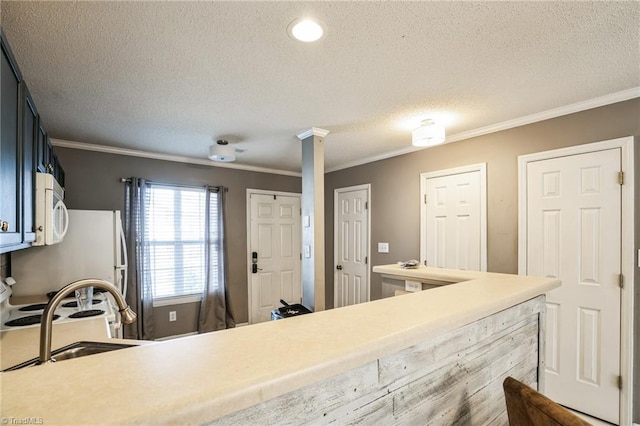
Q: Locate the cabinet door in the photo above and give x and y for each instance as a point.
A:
(59, 173)
(29, 143)
(10, 155)
(42, 150)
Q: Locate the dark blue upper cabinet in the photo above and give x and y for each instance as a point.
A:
(30, 127)
(25, 149)
(11, 226)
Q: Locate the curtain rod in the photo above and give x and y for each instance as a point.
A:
(224, 188)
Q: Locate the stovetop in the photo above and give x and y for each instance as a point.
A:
(16, 317)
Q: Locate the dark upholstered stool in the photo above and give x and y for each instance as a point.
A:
(527, 407)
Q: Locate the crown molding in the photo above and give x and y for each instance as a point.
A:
(612, 98)
(609, 99)
(407, 150)
(314, 131)
(167, 157)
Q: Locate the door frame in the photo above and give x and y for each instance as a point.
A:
(248, 210)
(627, 250)
(336, 192)
(479, 167)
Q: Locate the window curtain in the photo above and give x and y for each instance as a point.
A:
(215, 311)
(139, 294)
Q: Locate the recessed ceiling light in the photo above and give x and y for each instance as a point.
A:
(306, 30)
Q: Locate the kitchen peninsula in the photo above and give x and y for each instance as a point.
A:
(435, 356)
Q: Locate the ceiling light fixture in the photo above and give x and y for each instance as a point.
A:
(222, 152)
(428, 134)
(306, 30)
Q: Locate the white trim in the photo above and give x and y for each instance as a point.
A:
(175, 336)
(612, 98)
(480, 167)
(371, 159)
(177, 300)
(609, 99)
(314, 131)
(242, 324)
(627, 255)
(251, 191)
(336, 192)
(167, 157)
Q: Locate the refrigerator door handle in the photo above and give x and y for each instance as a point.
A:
(124, 265)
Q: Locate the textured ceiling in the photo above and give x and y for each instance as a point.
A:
(170, 77)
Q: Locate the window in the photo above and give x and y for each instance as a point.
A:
(179, 236)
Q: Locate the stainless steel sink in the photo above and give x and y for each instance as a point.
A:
(75, 350)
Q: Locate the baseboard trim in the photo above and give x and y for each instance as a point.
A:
(193, 333)
(175, 336)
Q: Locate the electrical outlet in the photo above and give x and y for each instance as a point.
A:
(172, 316)
(412, 286)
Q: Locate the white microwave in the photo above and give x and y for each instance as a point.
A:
(52, 218)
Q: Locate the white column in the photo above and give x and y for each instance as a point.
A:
(313, 277)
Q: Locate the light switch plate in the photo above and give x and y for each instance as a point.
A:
(307, 251)
(383, 247)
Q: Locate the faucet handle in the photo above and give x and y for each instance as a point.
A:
(128, 316)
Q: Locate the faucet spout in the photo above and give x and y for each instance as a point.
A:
(46, 326)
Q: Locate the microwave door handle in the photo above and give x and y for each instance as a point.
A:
(65, 219)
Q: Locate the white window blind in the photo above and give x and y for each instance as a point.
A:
(174, 247)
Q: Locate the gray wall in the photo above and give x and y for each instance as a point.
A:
(395, 203)
(93, 183)
(4, 266)
(186, 320)
(636, 300)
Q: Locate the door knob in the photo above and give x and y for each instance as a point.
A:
(339, 267)
(4, 226)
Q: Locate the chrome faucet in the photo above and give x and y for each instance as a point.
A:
(46, 326)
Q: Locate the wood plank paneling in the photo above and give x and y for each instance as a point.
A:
(455, 378)
(310, 402)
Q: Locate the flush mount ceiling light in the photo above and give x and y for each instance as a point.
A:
(428, 134)
(306, 30)
(222, 152)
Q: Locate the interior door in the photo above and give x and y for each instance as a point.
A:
(275, 239)
(453, 221)
(351, 281)
(574, 233)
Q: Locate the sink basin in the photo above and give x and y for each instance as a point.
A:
(76, 350)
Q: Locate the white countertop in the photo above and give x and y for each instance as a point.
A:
(23, 344)
(199, 378)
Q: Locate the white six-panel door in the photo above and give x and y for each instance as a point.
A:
(275, 236)
(351, 279)
(454, 219)
(574, 233)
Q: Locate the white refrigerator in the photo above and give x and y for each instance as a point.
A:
(94, 247)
